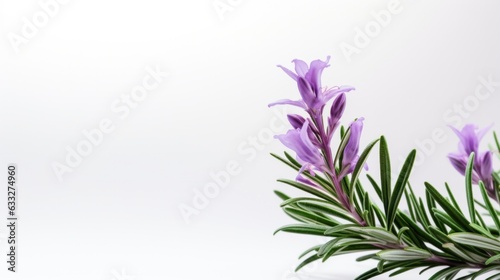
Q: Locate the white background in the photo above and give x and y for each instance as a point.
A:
(116, 215)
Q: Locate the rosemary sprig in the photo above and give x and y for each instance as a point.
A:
(434, 232)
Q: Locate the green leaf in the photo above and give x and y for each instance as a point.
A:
(343, 245)
(401, 231)
(468, 188)
(412, 236)
(423, 214)
(326, 208)
(385, 174)
(376, 233)
(424, 235)
(489, 206)
(328, 246)
(460, 253)
(402, 270)
(293, 201)
(475, 240)
(431, 204)
(304, 229)
(359, 196)
(342, 145)
(497, 143)
(310, 217)
(449, 221)
(340, 228)
(366, 257)
(441, 236)
(314, 248)
(419, 209)
(452, 197)
(379, 214)
(368, 213)
(482, 223)
(456, 216)
(492, 259)
(359, 166)
(410, 253)
(380, 266)
(387, 267)
(375, 186)
(296, 166)
(485, 270)
(307, 261)
(399, 188)
(410, 205)
(482, 230)
(427, 268)
(442, 274)
(309, 189)
(360, 246)
(281, 195)
(329, 249)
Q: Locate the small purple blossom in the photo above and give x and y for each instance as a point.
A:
(470, 137)
(336, 112)
(296, 121)
(308, 79)
(350, 157)
(300, 142)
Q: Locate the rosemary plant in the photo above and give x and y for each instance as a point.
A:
(435, 232)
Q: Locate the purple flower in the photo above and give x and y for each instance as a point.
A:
(336, 112)
(308, 79)
(307, 153)
(350, 157)
(296, 121)
(470, 137)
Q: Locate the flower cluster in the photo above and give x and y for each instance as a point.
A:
(310, 137)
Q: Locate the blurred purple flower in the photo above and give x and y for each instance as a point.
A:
(470, 136)
(350, 157)
(308, 80)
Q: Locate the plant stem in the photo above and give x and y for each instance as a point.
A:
(332, 176)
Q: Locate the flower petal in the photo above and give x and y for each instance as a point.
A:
(469, 142)
(351, 149)
(298, 140)
(295, 120)
(298, 103)
(485, 168)
(332, 92)
(459, 162)
(482, 132)
(313, 76)
(337, 110)
(306, 92)
(289, 72)
(301, 67)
